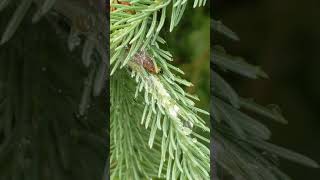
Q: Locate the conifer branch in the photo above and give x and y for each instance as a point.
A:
(168, 112)
(131, 157)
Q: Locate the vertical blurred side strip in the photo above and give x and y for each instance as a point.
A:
(213, 150)
(105, 11)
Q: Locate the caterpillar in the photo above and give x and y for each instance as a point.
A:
(143, 59)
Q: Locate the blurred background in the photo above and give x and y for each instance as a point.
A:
(43, 135)
(283, 37)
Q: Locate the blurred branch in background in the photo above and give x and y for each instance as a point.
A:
(50, 127)
(283, 38)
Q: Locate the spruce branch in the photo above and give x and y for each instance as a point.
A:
(135, 26)
(168, 112)
(131, 157)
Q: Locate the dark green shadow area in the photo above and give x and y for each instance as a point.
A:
(42, 135)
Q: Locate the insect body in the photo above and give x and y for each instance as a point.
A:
(143, 59)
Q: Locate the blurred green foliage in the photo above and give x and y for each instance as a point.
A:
(190, 46)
